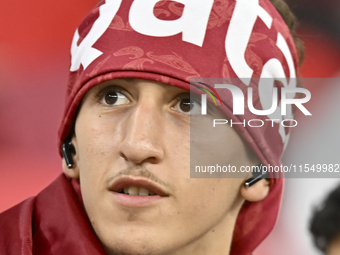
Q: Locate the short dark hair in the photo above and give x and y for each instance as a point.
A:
(325, 222)
(282, 7)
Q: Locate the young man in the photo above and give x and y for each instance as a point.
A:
(127, 131)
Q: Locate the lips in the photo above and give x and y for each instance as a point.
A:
(137, 187)
(136, 192)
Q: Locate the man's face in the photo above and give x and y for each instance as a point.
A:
(132, 139)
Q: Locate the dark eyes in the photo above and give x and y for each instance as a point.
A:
(111, 96)
(114, 96)
(186, 105)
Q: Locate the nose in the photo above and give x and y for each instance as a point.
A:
(142, 136)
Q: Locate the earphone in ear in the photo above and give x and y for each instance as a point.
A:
(67, 151)
(257, 176)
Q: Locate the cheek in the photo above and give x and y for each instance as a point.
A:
(97, 137)
(175, 140)
(205, 203)
(214, 193)
(97, 140)
(197, 195)
(211, 146)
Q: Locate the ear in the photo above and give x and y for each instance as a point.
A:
(74, 171)
(256, 192)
